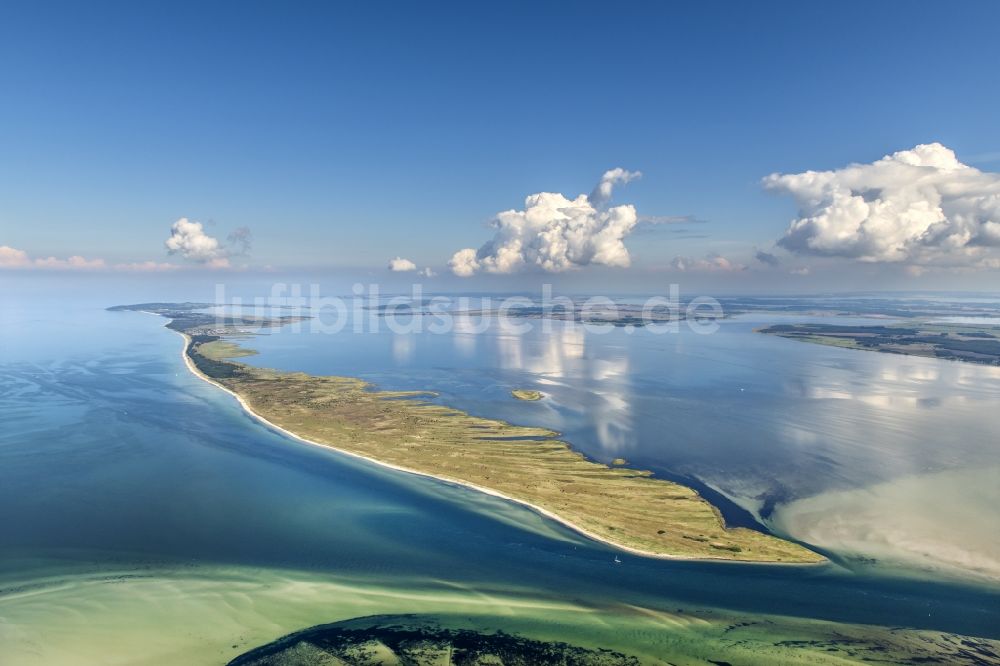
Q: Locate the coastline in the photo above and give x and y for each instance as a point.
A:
(465, 484)
(943, 342)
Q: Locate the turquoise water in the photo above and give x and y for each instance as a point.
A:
(140, 502)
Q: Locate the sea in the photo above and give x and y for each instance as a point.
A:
(145, 518)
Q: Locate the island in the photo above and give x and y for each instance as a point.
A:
(406, 430)
(970, 343)
(414, 641)
(526, 394)
(681, 636)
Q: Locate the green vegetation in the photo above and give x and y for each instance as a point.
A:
(218, 350)
(404, 641)
(631, 636)
(525, 394)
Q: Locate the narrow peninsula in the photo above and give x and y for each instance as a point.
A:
(627, 508)
(969, 343)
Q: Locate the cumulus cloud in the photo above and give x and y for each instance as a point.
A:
(13, 258)
(400, 265)
(709, 263)
(74, 262)
(464, 263)
(189, 240)
(921, 207)
(554, 234)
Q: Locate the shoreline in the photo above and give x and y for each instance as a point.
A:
(465, 484)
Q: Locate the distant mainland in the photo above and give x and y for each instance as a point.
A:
(970, 343)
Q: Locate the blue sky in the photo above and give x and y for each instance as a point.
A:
(345, 135)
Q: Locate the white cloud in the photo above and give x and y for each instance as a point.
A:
(919, 206)
(189, 240)
(555, 234)
(400, 265)
(74, 262)
(463, 263)
(603, 190)
(13, 258)
(709, 263)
